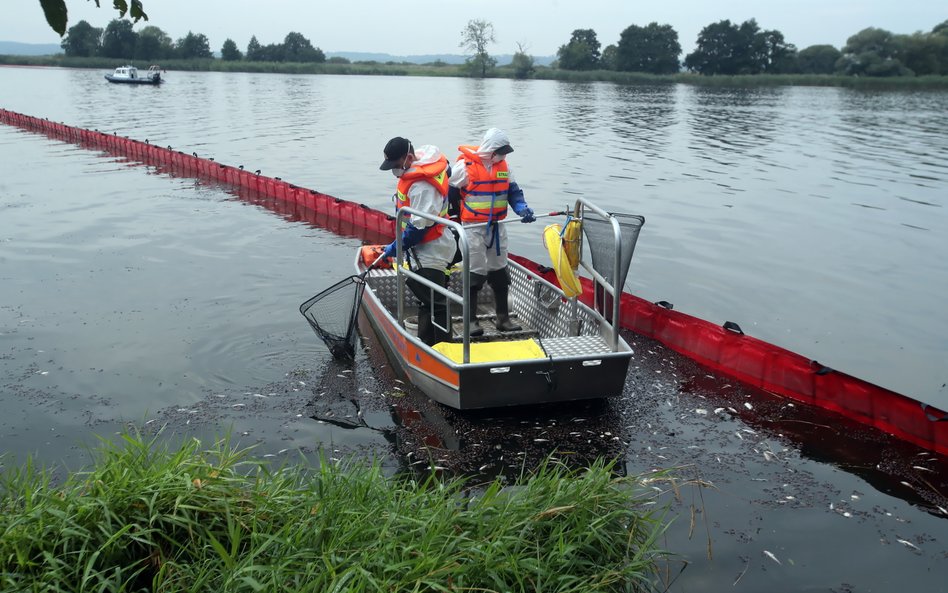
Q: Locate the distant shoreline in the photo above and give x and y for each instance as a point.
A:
(458, 71)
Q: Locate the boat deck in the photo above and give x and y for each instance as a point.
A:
(561, 327)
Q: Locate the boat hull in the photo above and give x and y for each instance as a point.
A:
(467, 386)
(118, 80)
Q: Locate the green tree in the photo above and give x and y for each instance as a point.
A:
(772, 54)
(272, 52)
(253, 49)
(153, 44)
(818, 59)
(57, 17)
(609, 58)
(475, 38)
(925, 53)
(119, 40)
(653, 49)
(522, 63)
(297, 48)
(726, 48)
(581, 53)
(872, 52)
(82, 40)
(193, 46)
(229, 51)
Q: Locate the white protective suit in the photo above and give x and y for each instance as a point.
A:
(424, 197)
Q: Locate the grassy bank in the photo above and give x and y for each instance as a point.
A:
(148, 518)
(541, 73)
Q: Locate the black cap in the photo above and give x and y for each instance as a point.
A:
(505, 149)
(395, 152)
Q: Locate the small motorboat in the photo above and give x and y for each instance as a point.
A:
(564, 351)
(131, 75)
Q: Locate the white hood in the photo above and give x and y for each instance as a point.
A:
(493, 139)
(426, 154)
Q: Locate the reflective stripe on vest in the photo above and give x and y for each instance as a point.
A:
(485, 196)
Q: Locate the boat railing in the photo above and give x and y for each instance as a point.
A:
(611, 288)
(608, 319)
(403, 272)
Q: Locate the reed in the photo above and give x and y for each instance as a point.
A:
(150, 518)
(541, 72)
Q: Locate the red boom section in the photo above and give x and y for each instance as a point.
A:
(729, 352)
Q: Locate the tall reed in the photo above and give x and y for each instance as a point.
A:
(149, 518)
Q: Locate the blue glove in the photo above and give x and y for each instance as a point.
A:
(390, 250)
(526, 215)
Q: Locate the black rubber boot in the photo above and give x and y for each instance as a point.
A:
(500, 282)
(427, 331)
(477, 281)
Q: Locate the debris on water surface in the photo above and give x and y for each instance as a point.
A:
(907, 544)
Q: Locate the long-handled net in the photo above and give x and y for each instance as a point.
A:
(600, 237)
(332, 315)
(333, 312)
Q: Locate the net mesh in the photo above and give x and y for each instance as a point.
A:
(332, 315)
(600, 240)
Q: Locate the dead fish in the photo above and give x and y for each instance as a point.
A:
(718, 410)
(739, 435)
(907, 543)
(771, 556)
(769, 456)
(701, 412)
(748, 406)
(926, 469)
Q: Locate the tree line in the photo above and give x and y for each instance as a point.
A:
(118, 40)
(730, 48)
(722, 48)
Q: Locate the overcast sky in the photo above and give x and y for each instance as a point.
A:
(411, 28)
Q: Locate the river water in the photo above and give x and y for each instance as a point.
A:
(813, 217)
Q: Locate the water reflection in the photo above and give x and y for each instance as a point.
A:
(728, 122)
(577, 112)
(476, 101)
(642, 116)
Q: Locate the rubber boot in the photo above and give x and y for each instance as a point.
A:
(500, 283)
(427, 331)
(477, 281)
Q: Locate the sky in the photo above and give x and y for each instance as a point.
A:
(411, 28)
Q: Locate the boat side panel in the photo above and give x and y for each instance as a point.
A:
(543, 382)
(411, 356)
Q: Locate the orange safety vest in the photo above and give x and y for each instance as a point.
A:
(436, 174)
(484, 199)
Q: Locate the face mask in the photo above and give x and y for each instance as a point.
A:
(497, 158)
(398, 171)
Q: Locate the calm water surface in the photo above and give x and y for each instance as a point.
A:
(814, 218)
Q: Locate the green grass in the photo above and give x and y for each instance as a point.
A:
(149, 518)
(541, 72)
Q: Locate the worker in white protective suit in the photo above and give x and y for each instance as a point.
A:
(423, 174)
(483, 186)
